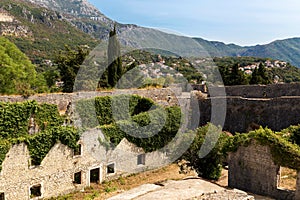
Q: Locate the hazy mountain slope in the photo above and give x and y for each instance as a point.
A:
(287, 50)
(219, 49)
(89, 19)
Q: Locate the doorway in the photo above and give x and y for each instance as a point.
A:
(95, 175)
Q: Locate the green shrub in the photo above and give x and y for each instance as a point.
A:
(209, 167)
(40, 144)
(101, 108)
(165, 133)
(14, 118)
(5, 145)
(292, 134)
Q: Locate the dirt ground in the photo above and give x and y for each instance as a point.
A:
(171, 172)
(111, 188)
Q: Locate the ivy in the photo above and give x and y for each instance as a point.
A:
(14, 127)
(14, 118)
(98, 111)
(149, 142)
(284, 152)
(40, 144)
(47, 116)
(5, 145)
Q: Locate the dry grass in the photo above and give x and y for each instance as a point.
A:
(111, 188)
(171, 172)
(288, 178)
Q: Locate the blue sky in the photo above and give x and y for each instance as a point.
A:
(231, 21)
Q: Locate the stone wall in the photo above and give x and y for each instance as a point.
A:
(252, 169)
(164, 96)
(255, 91)
(55, 175)
(297, 194)
(263, 91)
(243, 114)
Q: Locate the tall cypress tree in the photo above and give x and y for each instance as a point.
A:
(114, 59)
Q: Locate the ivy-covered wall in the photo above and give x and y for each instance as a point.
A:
(285, 152)
(16, 120)
(255, 161)
(153, 126)
(283, 145)
(98, 111)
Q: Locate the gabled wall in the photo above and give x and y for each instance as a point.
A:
(56, 172)
(252, 169)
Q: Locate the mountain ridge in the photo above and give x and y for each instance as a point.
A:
(89, 19)
(287, 50)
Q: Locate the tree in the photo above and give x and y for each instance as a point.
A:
(68, 63)
(263, 74)
(209, 167)
(255, 78)
(259, 75)
(51, 76)
(236, 76)
(294, 132)
(17, 74)
(115, 70)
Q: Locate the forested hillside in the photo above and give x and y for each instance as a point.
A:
(17, 73)
(39, 33)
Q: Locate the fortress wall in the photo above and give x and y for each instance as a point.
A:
(278, 112)
(243, 114)
(255, 91)
(163, 95)
(264, 91)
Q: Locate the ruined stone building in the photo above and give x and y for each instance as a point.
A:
(63, 171)
(251, 168)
